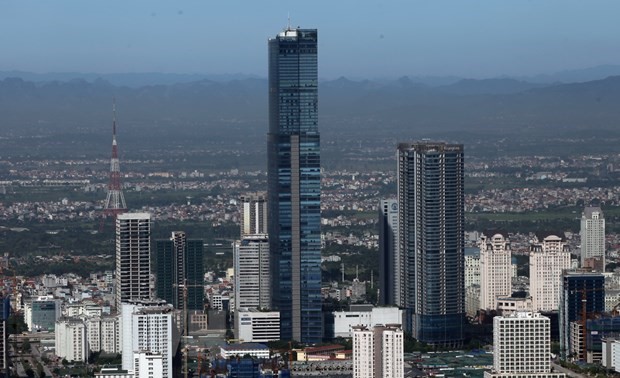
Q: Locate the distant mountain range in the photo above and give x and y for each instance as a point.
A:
(237, 108)
(135, 80)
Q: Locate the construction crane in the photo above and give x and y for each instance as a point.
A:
(584, 318)
(185, 348)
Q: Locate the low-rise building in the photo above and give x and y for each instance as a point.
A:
(364, 315)
(257, 326)
(241, 349)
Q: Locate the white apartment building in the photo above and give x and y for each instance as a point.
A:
(522, 346)
(133, 257)
(256, 326)
(70, 339)
(548, 258)
(103, 334)
(378, 352)
(251, 264)
(611, 353)
(146, 326)
(364, 315)
(593, 238)
(472, 269)
(148, 365)
(254, 214)
(495, 269)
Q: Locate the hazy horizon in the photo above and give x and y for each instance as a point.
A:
(357, 39)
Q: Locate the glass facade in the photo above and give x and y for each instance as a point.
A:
(431, 219)
(575, 286)
(294, 184)
(180, 261)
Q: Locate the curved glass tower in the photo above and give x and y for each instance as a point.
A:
(294, 184)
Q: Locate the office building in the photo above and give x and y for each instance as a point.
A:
(133, 257)
(578, 285)
(549, 257)
(495, 269)
(180, 264)
(378, 352)
(256, 326)
(593, 238)
(251, 263)
(522, 347)
(431, 221)
(147, 326)
(294, 184)
(253, 214)
(41, 313)
(391, 260)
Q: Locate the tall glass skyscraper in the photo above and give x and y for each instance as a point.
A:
(431, 218)
(294, 184)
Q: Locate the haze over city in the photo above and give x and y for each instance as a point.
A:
(349, 189)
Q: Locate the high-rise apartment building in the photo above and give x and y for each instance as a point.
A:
(70, 339)
(252, 276)
(578, 285)
(180, 264)
(294, 184)
(253, 214)
(549, 257)
(431, 221)
(378, 352)
(391, 260)
(593, 238)
(522, 347)
(495, 269)
(133, 257)
(147, 326)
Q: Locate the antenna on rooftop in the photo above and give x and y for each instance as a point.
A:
(288, 27)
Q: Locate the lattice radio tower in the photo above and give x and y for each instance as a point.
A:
(115, 200)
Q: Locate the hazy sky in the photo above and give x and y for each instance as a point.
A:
(357, 38)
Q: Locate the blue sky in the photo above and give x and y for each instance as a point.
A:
(470, 38)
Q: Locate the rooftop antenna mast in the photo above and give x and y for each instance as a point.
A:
(115, 200)
(289, 21)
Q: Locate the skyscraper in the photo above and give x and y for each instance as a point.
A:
(294, 184)
(148, 326)
(495, 269)
(430, 220)
(391, 262)
(133, 257)
(593, 238)
(253, 214)
(180, 262)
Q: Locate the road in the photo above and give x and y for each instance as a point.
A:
(568, 373)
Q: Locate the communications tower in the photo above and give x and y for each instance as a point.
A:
(115, 200)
